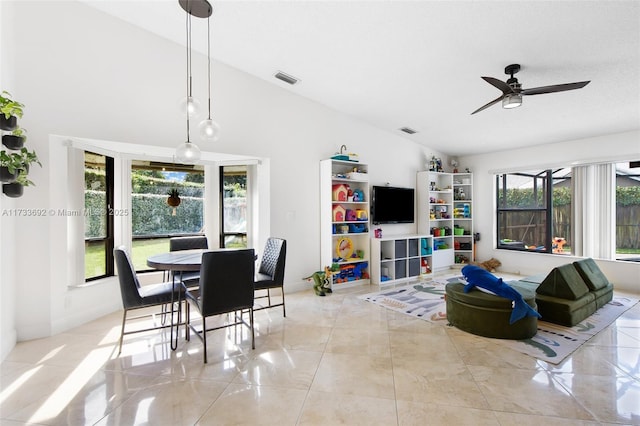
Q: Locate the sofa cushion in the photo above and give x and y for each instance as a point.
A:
(564, 282)
(591, 274)
(563, 311)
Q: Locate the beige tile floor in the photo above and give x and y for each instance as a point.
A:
(332, 360)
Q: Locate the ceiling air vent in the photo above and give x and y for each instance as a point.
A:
(408, 130)
(286, 78)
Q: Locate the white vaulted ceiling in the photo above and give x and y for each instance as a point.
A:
(419, 63)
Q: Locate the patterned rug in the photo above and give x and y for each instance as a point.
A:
(553, 343)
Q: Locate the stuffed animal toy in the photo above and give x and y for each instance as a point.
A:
(321, 281)
(478, 277)
(490, 265)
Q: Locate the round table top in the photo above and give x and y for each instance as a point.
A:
(183, 260)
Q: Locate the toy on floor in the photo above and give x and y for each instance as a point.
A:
(489, 265)
(321, 281)
(478, 277)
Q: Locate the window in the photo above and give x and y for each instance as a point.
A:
(524, 211)
(628, 211)
(154, 222)
(589, 210)
(233, 206)
(98, 222)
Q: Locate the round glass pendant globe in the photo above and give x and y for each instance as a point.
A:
(188, 153)
(209, 130)
(191, 106)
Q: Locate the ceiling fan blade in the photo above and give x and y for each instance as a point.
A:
(496, 100)
(555, 88)
(499, 84)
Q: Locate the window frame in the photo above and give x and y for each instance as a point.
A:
(547, 209)
(109, 238)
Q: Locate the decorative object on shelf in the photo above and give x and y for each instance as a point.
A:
(11, 110)
(15, 140)
(454, 164)
(344, 156)
(173, 200)
(188, 152)
(435, 164)
(344, 248)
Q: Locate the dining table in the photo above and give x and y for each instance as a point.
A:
(176, 262)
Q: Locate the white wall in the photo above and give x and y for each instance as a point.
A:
(622, 146)
(85, 74)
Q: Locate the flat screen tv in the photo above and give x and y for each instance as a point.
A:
(391, 204)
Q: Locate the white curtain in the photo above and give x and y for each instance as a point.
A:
(594, 210)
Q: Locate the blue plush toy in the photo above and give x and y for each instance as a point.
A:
(478, 277)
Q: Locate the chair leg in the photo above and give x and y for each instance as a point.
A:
(253, 336)
(187, 323)
(269, 296)
(204, 337)
(284, 311)
(124, 319)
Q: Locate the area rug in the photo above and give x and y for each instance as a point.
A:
(552, 343)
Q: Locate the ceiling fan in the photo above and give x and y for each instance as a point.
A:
(512, 91)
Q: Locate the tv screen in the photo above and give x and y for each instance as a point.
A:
(392, 205)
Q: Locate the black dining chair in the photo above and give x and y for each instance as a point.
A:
(271, 272)
(191, 278)
(226, 286)
(135, 296)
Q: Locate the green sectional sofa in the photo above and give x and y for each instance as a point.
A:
(570, 293)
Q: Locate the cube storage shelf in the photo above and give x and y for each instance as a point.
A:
(400, 258)
(344, 221)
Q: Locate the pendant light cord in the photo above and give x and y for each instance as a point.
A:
(209, 62)
(189, 79)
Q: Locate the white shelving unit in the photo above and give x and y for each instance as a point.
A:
(400, 258)
(463, 242)
(435, 214)
(445, 208)
(344, 221)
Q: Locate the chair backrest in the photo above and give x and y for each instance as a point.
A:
(273, 259)
(129, 284)
(188, 243)
(226, 281)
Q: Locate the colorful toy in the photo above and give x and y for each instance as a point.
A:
(358, 195)
(322, 281)
(361, 214)
(558, 244)
(344, 248)
(338, 213)
(350, 215)
(340, 192)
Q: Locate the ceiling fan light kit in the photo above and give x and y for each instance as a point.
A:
(512, 101)
(512, 90)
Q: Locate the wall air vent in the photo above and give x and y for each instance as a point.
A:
(286, 78)
(408, 130)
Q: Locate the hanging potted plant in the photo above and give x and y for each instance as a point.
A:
(18, 164)
(10, 111)
(16, 139)
(16, 189)
(174, 198)
(10, 166)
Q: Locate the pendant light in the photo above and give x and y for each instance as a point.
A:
(188, 152)
(209, 129)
